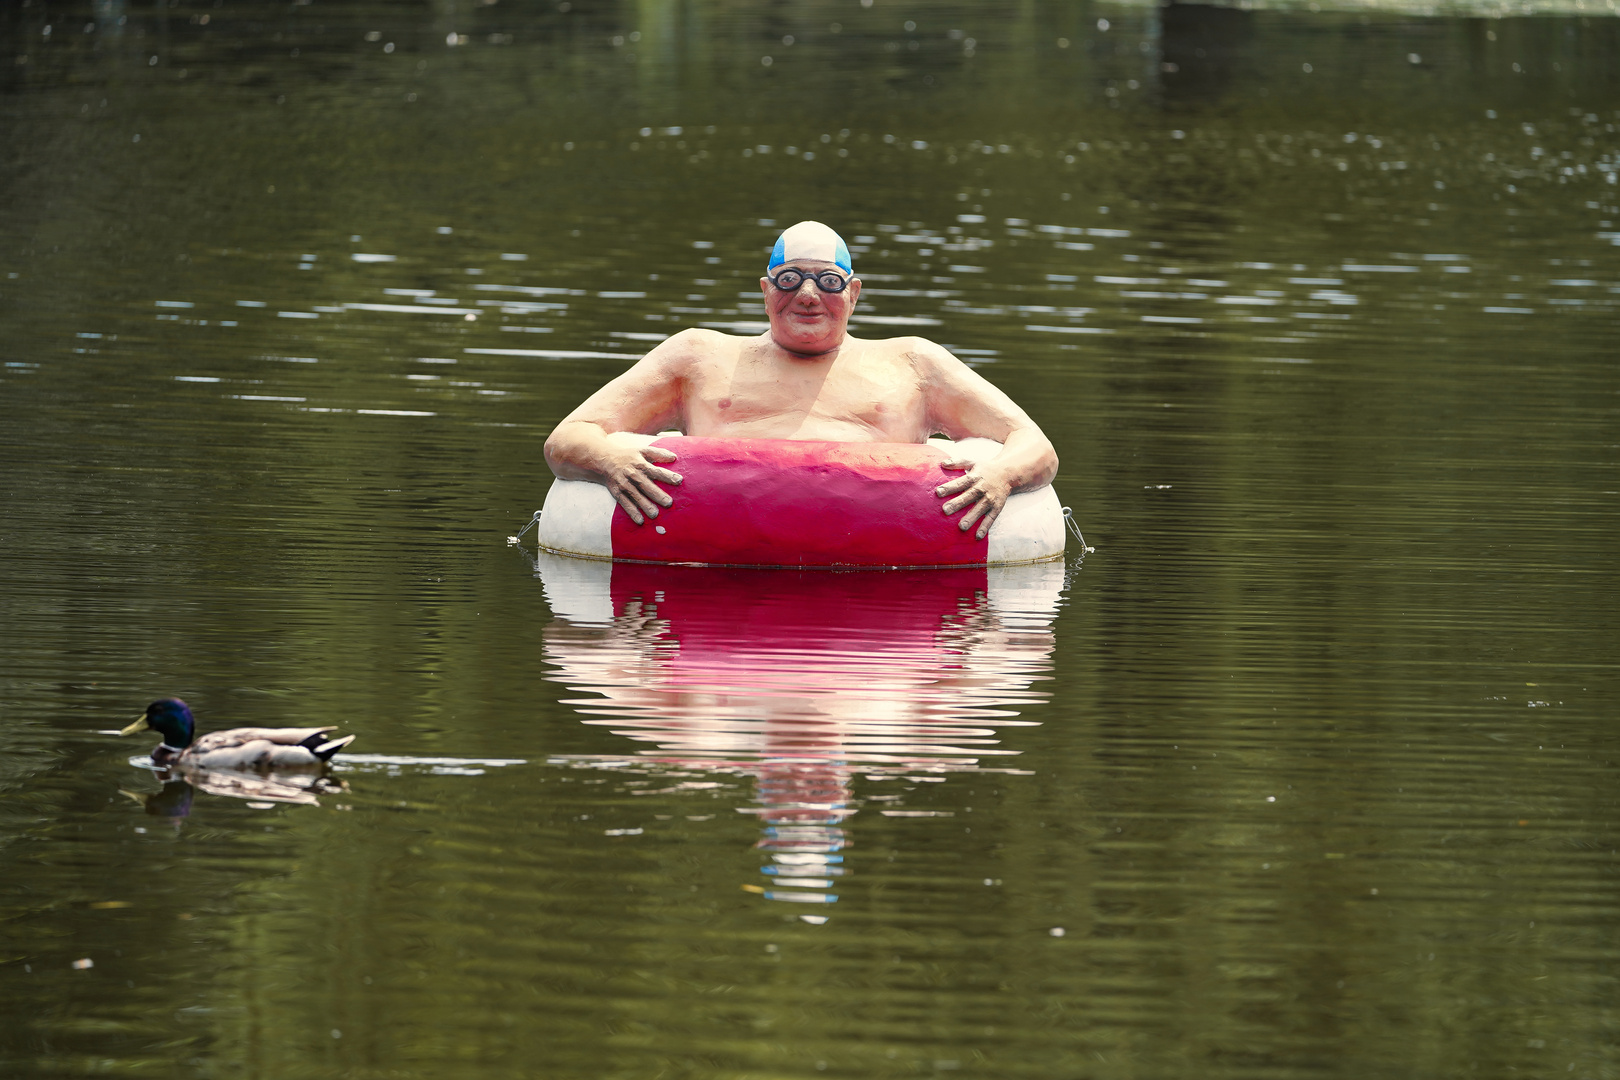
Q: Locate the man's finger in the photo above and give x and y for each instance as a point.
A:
(973, 514)
(632, 488)
(951, 487)
(989, 520)
(650, 503)
(657, 453)
(665, 476)
(964, 499)
(651, 491)
(628, 506)
(956, 464)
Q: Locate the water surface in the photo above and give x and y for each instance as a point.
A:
(1307, 770)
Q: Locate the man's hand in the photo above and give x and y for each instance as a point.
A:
(982, 489)
(632, 475)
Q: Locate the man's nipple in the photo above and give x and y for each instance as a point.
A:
(725, 403)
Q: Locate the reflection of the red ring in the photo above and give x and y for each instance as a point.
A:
(802, 679)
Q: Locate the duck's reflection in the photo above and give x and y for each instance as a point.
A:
(180, 784)
(171, 803)
(803, 680)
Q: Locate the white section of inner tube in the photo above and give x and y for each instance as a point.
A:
(1029, 529)
(577, 520)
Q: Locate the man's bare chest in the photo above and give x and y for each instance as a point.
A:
(882, 398)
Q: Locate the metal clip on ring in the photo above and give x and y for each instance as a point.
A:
(1068, 519)
(532, 522)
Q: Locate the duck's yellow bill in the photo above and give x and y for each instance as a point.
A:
(140, 724)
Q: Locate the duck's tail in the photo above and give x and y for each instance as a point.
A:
(325, 750)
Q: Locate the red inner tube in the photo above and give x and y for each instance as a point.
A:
(782, 502)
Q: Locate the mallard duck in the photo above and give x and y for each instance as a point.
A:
(260, 749)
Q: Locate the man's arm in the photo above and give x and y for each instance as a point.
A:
(645, 399)
(962, 404)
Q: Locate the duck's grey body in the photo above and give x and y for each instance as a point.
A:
(259, 749)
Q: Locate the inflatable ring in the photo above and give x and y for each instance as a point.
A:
(793, 504)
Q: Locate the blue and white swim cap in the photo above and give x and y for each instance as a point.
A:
(810, 240)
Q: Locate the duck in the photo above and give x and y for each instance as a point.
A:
(258, 749)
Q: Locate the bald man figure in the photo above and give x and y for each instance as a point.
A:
(806, 377)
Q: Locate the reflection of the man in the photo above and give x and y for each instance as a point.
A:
(802, 680)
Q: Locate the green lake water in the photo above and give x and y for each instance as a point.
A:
(1310, 769)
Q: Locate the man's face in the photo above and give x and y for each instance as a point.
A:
(807, 320)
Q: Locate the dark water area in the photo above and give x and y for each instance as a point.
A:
(1309, 769)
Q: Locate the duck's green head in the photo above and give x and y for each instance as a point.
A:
(170, 718)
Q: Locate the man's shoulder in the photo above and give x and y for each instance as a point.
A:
(695, 346)
(914, 349)
(697, 339)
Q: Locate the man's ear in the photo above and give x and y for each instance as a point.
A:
(765, 286)
(854, 290)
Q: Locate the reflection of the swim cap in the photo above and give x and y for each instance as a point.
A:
(802, 680)
(802, 808)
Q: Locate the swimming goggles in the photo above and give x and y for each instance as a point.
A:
(828, 281)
